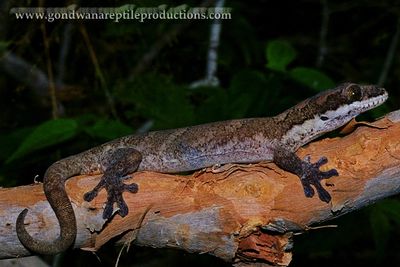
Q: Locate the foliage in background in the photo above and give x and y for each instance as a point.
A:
(266, 64)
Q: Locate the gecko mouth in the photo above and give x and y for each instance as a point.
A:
(371, 103)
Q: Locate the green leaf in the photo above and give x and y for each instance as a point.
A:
(279, 54)
(45, 135)
(9, 142)
(311, 78)
(108, 129)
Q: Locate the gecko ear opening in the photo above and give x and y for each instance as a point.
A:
(324, 118)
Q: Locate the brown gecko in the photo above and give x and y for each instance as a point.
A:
(191, 148)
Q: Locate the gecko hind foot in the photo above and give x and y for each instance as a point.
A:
(117, 165)
(114, 187)
(115, 196)
(312, 175)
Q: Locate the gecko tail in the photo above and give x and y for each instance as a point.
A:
(63, 242)
(54, 189)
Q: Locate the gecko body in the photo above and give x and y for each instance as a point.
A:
(191, 148)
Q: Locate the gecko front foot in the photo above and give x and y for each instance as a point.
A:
(312, 175)
(117, 164)
(114, 187)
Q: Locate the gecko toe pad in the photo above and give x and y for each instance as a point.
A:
(133, 188)
(312, 175)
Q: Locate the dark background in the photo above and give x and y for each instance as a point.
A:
(113, 79)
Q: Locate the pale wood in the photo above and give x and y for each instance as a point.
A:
(222, 213)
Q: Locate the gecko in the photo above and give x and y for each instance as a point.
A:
(251, 140)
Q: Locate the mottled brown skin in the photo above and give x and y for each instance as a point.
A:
(236, 141)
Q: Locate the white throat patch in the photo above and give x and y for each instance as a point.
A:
(303, 133)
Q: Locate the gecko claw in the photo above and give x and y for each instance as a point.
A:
(308, 190)
(123, 208)
(89, 196)
(108, 210)
(321, 161)
(329, 174)
(323, 194)
(133, 188)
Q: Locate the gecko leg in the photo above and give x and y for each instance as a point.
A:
(309, 173)
(117, 165)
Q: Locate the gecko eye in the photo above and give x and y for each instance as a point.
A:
(354, 92)
(324, 118)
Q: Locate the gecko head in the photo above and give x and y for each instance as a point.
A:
(328, 111)
(338, 106)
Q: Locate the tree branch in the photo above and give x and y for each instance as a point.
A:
(246, 213)
(99, 72)
(211, 78)
(49, 64)
(145, 61)
(323, 49)
(25, 73)
(33, 77)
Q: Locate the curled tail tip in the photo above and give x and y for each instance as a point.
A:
(62, 243)
(20, 228)
(20, 218)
